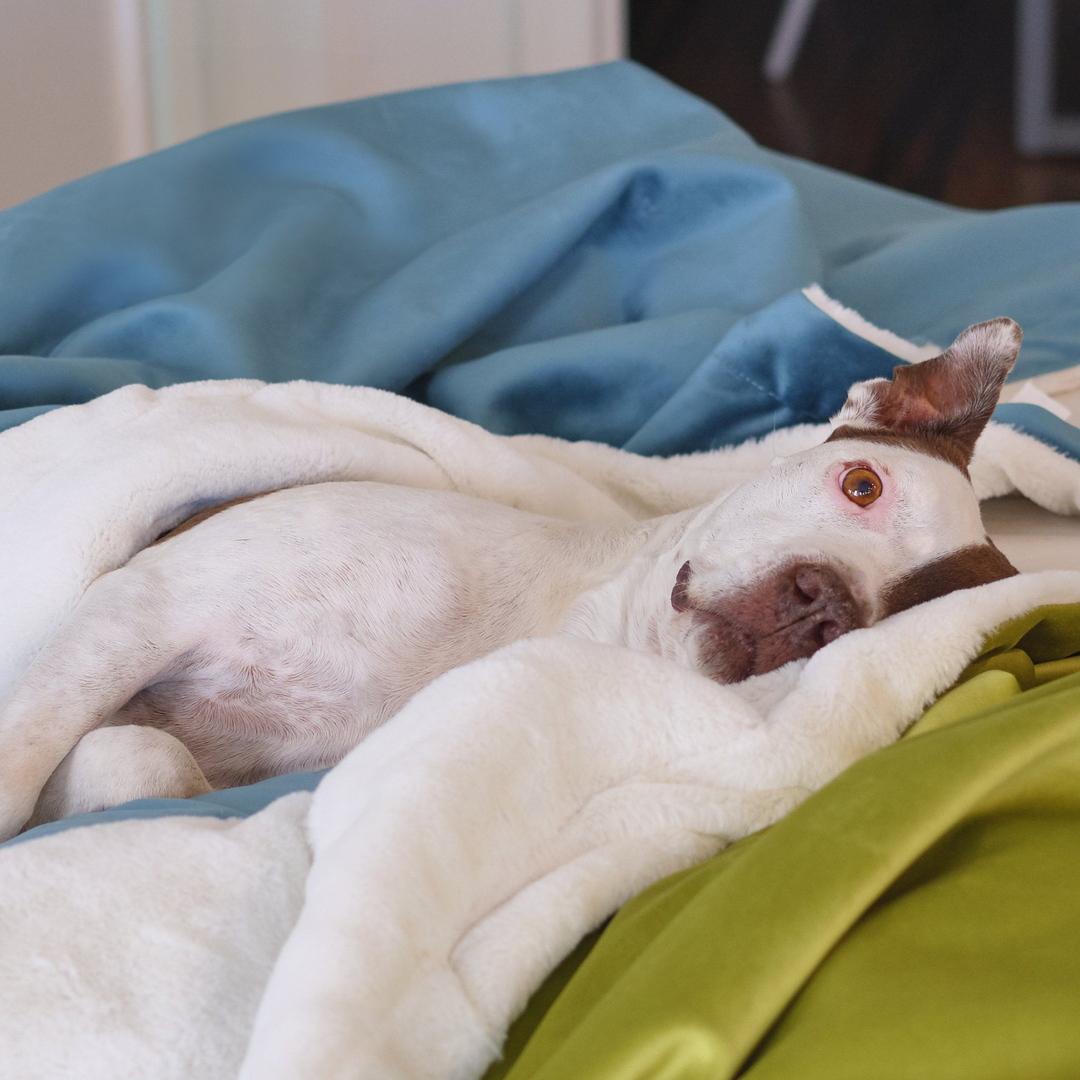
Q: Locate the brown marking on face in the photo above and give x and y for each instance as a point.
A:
(209, 512)
(922, 442)
(976, 564)
(796, 609)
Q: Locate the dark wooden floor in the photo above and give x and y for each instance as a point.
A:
(916, 94)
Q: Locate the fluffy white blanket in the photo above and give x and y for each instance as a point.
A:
(393, 924)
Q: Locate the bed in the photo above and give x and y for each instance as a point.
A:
(596, 256)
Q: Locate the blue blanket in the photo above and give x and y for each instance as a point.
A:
(594, 254)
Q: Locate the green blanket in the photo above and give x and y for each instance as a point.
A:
(918, 918)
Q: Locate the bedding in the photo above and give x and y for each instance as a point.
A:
(624, 271)
(631, 273)
(911, 920)
(439, 872)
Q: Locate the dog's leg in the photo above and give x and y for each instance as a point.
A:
(125, 632)
(113, 765)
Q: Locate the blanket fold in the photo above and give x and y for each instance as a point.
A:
(463, 849)
(540, 270)
(557, 833)
(509, 255)
(924, 890)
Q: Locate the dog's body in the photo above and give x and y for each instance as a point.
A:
(301, 621)
(277, 634)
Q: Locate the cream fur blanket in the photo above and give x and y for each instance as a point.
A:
(392, 924)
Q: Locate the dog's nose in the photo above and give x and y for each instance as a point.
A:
(787, 615)
(819, 606)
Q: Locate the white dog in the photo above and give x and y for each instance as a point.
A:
(277, 634)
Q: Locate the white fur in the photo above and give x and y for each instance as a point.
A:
(861, 408)
(84, 488)
(113, 765)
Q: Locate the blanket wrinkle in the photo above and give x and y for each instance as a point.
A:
(806, 727)
(112, 960)
(495, 240)
(967, 793)
(462, 850)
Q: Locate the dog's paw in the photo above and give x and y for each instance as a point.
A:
(114, 765)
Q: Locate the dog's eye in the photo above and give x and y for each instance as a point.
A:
(861, 486)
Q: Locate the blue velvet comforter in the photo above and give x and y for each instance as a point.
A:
(593, 254)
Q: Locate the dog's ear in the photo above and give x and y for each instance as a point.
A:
(945, 402)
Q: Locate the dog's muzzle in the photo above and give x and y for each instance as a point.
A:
(787, 615)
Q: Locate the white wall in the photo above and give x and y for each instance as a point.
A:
(87, 83)
(216, 62)
(71, 97)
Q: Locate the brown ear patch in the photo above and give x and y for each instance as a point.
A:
(976, 564)
(939, 406)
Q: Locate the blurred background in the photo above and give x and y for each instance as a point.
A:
(976, 102)
(938, 97)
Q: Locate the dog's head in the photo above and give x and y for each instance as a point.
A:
(880, 517)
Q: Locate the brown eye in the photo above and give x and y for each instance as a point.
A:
(861, 486)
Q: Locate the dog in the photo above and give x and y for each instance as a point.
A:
(274, 633)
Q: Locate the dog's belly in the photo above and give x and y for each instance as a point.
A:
(247, 717)
(320, 611)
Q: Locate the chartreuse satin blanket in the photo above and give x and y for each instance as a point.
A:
(918, 918)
